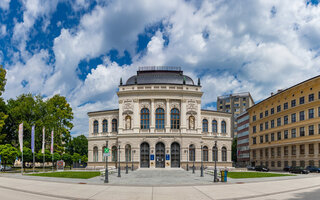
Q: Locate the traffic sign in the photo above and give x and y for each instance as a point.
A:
(106, 154)
(106, 150)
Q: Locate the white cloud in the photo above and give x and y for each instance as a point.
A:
(4, 4)
(3, 30)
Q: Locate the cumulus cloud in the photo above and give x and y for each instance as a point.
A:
(4, 4)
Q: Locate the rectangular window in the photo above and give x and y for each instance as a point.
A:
(267, 138)
(266, 153)
(293, 103)
(279, 164)
(278, 108)
(261, 115)
(261, 127)
(319, 98)
(311, 113)
(285, 119)
(261, 139)
(302, 149)
(293, 150)
(302, 131)
(285, 106)
(272, 111)
(293, 133)
(272, 123)
(285, 134)
(278, 151)
(293, 117)
(279, 135)
(318, 128)
(311, 97)
(279, 121)
(301, 100)
(254, 141)
(319, 149)
(254, 154)
(311, 149)
(302, 163)
(266, 124)
(272, 137)
(301, 116)
(254, 129)
(272, 152)
(272, 163)
(261, 153)
(286, 163)
(254, 118)
(311, 130)
(285, 149)
(319, 112)
(294, 163)
(266, 113)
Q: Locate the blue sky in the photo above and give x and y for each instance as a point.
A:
(81, 48)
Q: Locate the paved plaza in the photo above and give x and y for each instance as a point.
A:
(148, 184)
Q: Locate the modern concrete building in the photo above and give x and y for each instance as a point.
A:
(160, 123)
(236, 104)
(243, 152)
(285, 128)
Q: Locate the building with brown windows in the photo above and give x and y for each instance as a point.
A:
(243, 152)
(285, 128)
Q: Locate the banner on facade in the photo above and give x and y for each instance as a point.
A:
(21, 136)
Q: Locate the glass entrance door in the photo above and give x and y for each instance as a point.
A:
(144, 155)
(175, 154)
(160, 155)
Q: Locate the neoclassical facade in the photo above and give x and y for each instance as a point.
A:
(160, 124)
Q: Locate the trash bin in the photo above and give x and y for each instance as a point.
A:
(225, 176)
(222, 176)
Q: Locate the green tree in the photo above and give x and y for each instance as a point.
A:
(78, 145)
(8, 154)
(84, 159)
(3, 115)
(66, 157)
(76, 157)
(27, 156)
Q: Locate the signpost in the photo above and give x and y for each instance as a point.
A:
(106, 152)
(60, 165)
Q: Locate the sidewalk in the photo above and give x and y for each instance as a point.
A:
(255, 190)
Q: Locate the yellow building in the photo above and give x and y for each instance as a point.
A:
(285, 128)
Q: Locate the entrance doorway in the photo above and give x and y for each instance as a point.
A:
(144, 155)
(160, 155)
(175, 154)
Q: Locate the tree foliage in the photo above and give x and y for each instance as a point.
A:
(234, 150)
(3, 115)
(78, 145)
(8, 154)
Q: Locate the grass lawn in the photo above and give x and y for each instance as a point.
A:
(254, 174)
(70, 174)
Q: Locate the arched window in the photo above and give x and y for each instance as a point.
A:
(191, 123)
(103, 157)
(95, 126)
(214, 126)
(223, 127)
(95, 154)
(114, 125)
(128, 122)
(192, 153)
(144, 118)
(205, 153)
(214, 154)
(114, 154)
(159, 118)
(224, 154)
(128, 152)
(204, 125)
(175, 119)
(105, 126)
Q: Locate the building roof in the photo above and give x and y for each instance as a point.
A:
(159, 75)
(285, 90)
(94, 112)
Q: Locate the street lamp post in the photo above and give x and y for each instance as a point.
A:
(201, 174)
(119, 167)
(133, 151)
(215, 161)
(106, 177)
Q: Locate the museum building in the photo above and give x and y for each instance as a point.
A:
(160, 124)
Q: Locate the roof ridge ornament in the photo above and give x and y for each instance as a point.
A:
(121, 81)
(199, 83)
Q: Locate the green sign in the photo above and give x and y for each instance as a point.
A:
(106, 150)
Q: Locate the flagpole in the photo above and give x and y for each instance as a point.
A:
(43, 147)
(32, 144)
(22, 164)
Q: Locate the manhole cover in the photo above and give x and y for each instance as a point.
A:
(82, 183)
(239, 182)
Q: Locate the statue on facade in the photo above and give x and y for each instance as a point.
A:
(128, 122)
(191, 122)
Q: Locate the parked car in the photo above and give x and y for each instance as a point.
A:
(299, 170)
(8, 168)
(287, 168)
(250, 167)
(262, 168)
(313, 169)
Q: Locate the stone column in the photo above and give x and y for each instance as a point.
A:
(209, 124)
(167, 116)
(199, 121)
(136, 116)
(120, 127)
(109, 125)
(152, 116)
(183, 116)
